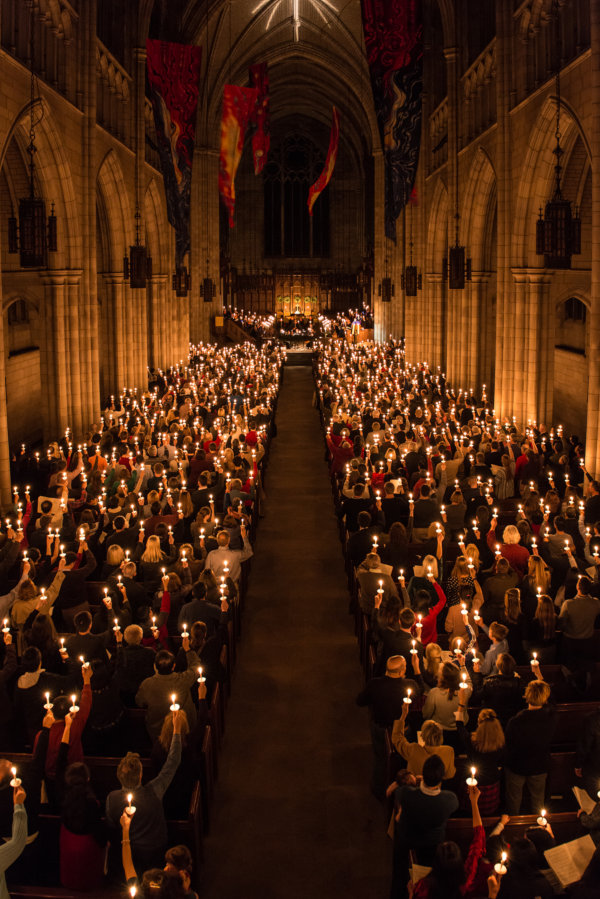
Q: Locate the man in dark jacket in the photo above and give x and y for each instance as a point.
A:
(587, 759)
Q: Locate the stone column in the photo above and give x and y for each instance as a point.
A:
(505, 304)
(477, 292)
(380, 310)
(86, 295)
(120, 345)
(515, 356)
(5, 483)
(435, 287)
(205, 252)
(540, 349)
(592, 449)
(55, 361)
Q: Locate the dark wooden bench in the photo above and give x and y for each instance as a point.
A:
(565, 827)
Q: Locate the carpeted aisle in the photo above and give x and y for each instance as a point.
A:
(292, 815)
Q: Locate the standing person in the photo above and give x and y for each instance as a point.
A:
(576, 621)
(10, 851)
(421, 825)
(148, 833)
(528, 740)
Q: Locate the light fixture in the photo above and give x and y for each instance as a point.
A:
(208, 290)
(411, 277)
(137, 267)
(182, 281)
(387, 288)
(558, 230)
(32, 236)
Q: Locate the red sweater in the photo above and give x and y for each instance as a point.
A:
(429, 631)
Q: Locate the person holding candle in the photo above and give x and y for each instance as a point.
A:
(494, 590)
(576, 621)
(450, 877)
(84, 642)
(12, 849)
(147, 827)
(528, 742)
(155, 692)
(200, 609)
(431, 743)
(7, 672)
(421, 822)
(542, 637)
(485, 749)
(510, 548)
(442, 701)
(60, 710)
(497, 633)
(77, 568)
(523, 879)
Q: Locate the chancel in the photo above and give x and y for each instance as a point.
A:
(300, 449)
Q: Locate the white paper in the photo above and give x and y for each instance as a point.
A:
(569, 860)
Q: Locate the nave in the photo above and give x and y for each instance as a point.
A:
(293, 815)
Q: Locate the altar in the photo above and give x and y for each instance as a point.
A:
(298, 295)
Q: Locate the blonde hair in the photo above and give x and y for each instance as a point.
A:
(538, 573)
(537, 692)
(511, 535)
(512, 604)
(498, 631)
(115, 554)
(166, 733)
(153, 552)
(432, 733)
(433, 529)
(430, 562)
(472, 553)
(433, 658)
(461, 567)
(489, 735)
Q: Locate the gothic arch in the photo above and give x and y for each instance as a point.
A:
(478, 211)
(113, 210)
(158, 229)
(54, 178)
(537, 175)
(437, 229)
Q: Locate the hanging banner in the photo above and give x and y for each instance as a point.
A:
(238, 105)
(174, 81)
(394, 45)
(260, 123)
(325, 177)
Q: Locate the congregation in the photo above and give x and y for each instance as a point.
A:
(124, 563)
(472, 551)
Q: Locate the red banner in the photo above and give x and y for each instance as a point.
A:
(260, 122)
(238, 105)
(325, 176)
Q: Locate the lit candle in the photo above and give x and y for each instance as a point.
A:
(463, 683)
(407, 698)
(472, 781)
(542, 820)
(47, 705)
(174, 704)
(117, 626)
(534, 660)
(414, 651)
(201, 679)
(500, 867)
(74, 708)
(184, 633)
(83, 662)
(130, 809)
(5, 627)
(16, 781)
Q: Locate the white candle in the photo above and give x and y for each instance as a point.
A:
(471, 781)
(500, 867)
(174, 704)
(201, 679)
(130, 808)
(5, 627)
(414, 650)
(48, 705)
(407, 698)
(184, 633)
(463, 684)
(542, 820)
(16, 781)
(74, 708)
(534, 660)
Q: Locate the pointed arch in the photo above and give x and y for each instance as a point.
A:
(478, 211)
(437, 229)
(537, 175)
(158, 229)
(113, 211)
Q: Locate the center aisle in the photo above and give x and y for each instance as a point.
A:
(292, 814)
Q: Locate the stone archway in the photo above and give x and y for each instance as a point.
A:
(571, 363)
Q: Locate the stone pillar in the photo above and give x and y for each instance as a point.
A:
(120, 346)
(205, 244)
(381, 311)
(5, 484)
(592, 449)
(540, 349)
(435, 289)
(515, 356)
(85, 295)
(505, 304)
(477, 293)
(55, 358)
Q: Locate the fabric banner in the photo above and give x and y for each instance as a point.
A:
(393, 32)
(174, 81)
(238, 106)
(325, 177)
(260, 124)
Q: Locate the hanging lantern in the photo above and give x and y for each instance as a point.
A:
(411, 280)
(137, 267)
(207, 291)
(386, 290)
(558, 230)
(182, 281)
(32, 236)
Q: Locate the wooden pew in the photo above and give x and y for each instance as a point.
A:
(565, 827)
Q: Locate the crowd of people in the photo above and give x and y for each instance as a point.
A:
(472, 545)
(122, 562)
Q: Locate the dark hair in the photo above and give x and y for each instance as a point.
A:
(542, 840)
(75, 812)
(82, 621)
(447, 873)
(506, 664)
(363, 519)
(559, 523)
(199, 590)
(523, 853)
(40, 633)
(118, 523)
(31, 659)
(164, 661)
(179, 857)
(584, 584)
(407, 618)
(433, 771)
